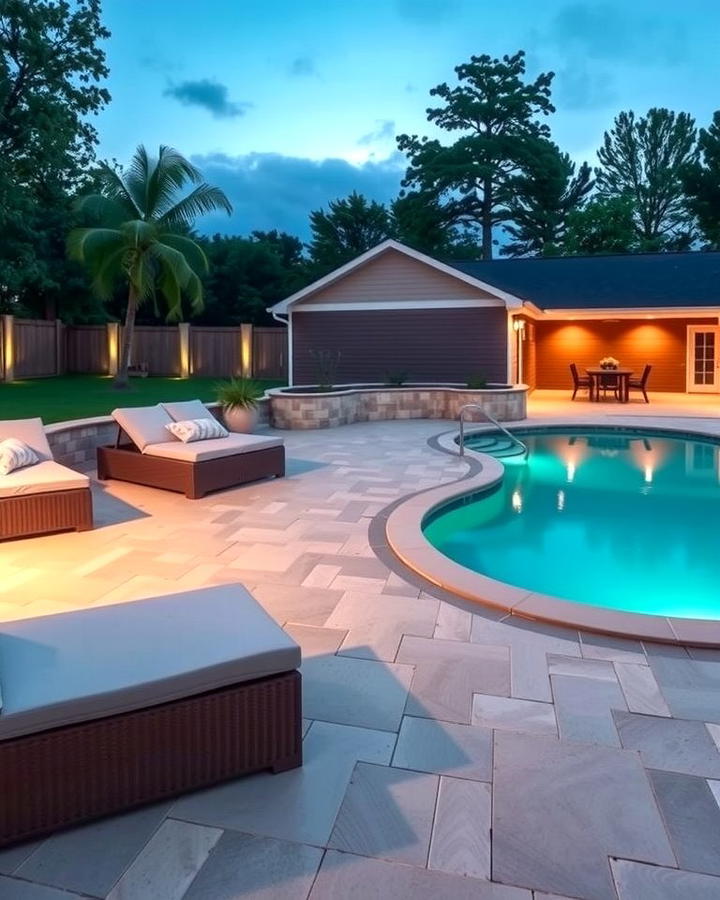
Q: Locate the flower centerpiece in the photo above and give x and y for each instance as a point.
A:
(609, 362)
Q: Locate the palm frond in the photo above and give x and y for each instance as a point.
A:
(139, 233)
(110, 211)
(84, 244)
(137, 180)
(107, 273)
(202, 200)
(175, 271)
(192, 252)
(116, 188)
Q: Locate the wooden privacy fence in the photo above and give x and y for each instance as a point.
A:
(34, 348)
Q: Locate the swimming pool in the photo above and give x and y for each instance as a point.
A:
(625, 519)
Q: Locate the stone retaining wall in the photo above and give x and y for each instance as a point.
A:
(303, 411)
(73, 443)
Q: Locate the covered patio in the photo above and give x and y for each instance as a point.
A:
(681, 349)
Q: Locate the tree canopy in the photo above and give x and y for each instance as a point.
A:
(644, 159)
(349, 227)
(545, 193)
(51, 72)
(701, 182)
(496, 113)
(137, 239)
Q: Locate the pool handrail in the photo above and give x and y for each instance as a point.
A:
(492, 420)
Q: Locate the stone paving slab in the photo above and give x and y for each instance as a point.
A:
(409, 669)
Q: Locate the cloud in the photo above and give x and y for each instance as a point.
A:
(385, 131)
(611, 33)
(576, 87)
(302, 67)
(209, 95)
(159, 64)
(269, 190)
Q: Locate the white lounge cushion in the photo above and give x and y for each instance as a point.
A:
(144, 425)
(186, 409)
(204, 429)
(46, 476)
(30, 432)
(232, 445)
(15, 454)
(101, 661)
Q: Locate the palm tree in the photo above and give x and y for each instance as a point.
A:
(140, 216)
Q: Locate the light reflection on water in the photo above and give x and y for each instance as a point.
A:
(627, 521)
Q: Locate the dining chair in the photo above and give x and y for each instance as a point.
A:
(580, 382)
(640, 384)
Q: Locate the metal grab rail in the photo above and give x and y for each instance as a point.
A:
(491, 419)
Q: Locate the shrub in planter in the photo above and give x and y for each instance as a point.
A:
(396, 379)
(238, 398)
(477, 382)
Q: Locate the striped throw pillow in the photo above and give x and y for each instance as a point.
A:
(197, 430)
(15, 454)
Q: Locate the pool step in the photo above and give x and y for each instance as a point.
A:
(500, 447)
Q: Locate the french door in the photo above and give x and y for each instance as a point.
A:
(703, 359)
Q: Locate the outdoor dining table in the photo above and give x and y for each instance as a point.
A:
(597, 374)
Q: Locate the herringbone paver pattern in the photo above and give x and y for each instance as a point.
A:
(449, 752)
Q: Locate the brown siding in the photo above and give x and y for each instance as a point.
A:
(395, 276)
(661, 342)
(427, 344)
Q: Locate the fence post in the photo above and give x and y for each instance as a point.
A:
(185, 363)
(113, 347)
(59, 347)
(9, 347)
(246, 350)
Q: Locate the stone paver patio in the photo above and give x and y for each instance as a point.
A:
(448, 753)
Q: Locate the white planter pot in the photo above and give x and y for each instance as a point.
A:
(239, 419)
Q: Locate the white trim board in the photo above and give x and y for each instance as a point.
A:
(409, 305)
(508, 300)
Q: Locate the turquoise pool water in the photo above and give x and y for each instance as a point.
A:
(623, 519)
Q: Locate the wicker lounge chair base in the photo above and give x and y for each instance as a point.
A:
(72, 774)
(30, 514)
(125, 463)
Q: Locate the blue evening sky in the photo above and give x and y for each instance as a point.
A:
(287, 104)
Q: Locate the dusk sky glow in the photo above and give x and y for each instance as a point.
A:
(292, 103)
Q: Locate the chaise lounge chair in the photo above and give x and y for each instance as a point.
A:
(108, 708)
(44, 497)
(147, 454)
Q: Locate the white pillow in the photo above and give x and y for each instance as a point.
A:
(15, 454)
(197, 430)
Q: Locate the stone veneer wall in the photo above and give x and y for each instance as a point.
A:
(303, 411)
(73, 443)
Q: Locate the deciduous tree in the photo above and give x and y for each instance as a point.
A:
(349, 227)
(51, 72)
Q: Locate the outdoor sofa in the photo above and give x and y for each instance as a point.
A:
(146, 453)
(44, 497)
(108, 708)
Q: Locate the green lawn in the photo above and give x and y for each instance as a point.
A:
(82, 396)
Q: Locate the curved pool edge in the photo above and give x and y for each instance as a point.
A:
(405, 537)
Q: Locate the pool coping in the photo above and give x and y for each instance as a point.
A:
(405, 537)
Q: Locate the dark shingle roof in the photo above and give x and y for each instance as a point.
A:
(642, 280)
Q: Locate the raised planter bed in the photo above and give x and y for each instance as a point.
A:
(308, 407)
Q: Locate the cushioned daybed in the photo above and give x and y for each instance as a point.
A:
(44, 497)
(150, 455)
(111, 707)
